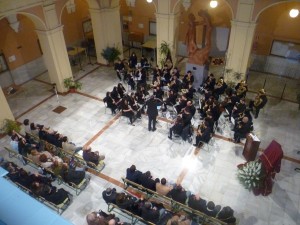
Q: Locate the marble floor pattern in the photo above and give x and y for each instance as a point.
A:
(210, 174)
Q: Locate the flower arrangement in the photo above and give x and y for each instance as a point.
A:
(251, 175)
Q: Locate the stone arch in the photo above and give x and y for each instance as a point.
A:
(38, 22)
(258, 11)
(230, 5)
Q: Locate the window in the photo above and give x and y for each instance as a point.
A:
(152, 28)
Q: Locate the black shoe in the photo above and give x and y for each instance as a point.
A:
(132, 124)
(154, 129)
(195, 145)
(170, 137)
(149, 129)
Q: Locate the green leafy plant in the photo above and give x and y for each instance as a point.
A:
(251, 175)
(70, 83)
(165, 52)
(111, 54)
(9, 125)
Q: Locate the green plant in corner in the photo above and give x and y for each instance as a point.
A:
(164, 51)
(111, 54)
(9, 125)
(70, 83)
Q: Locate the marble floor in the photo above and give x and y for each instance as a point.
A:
(210, 174)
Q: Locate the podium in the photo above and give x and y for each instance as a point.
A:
(251, 147)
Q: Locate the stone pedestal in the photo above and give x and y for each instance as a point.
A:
(200, 73)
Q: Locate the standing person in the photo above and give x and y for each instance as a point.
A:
(152, 112)
(133, 60)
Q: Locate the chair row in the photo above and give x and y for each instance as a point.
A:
(60, 208)
(78, 188)
(174, 205)
(78, 158)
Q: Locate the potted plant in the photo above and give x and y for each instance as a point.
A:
(9, 125)
(72, 85)
(111, 54)
(165, 52)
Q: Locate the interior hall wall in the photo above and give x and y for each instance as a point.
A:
(275, 24)
(23, 45)
(72, 22)
(142, 13)
(220, 17)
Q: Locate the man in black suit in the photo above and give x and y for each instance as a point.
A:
(178, 194)
(146, 181)
(109, 195)
(195, 202)
(152, 112)
(133, 174)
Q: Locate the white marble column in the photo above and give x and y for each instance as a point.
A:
(55, 56)
(167, 30)
(241, 38)
(240, 43)
(107, 30)
(5, 112)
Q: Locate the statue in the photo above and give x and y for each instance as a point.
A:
(197, 55)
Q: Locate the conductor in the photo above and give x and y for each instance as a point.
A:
(152, 112)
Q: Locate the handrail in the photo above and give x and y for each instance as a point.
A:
(174, 204)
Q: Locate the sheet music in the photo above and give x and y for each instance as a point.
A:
(254, 137)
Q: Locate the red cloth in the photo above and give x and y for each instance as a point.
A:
(271, 161)
(271, 157)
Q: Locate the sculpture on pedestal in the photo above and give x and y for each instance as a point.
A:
(197, 55)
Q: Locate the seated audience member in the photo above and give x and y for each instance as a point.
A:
(150, 213)
(179, 194)
(89, 156)
(190, 92)
(124, 201)
(146, 181)
(69, 146)
(163, 188)
(34, 156)
(25, 128)
(211, 209)
(203, 134)
(50, 193)
(176, 220)
(195, 202)
(95, 219)
(109, 195)
(34, 130)
(70, 175)
(226, 215)
(242, 129)
(110, 103)
(46, 160)
(133, 174)
(176, 128)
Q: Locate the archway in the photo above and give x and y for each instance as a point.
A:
(275, 49)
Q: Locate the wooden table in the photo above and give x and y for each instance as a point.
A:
(75, 52)
(151, 44)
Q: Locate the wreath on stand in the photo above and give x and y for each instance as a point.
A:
(251, 175)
